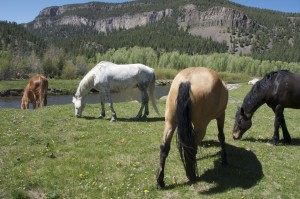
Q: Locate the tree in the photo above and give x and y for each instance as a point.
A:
(69, 70)
(81, 65)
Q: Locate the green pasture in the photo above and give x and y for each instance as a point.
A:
(48, 153)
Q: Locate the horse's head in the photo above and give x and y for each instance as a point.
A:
(24, 103)
(242, 123)
(78, 104)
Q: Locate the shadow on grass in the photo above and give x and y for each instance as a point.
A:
(243, 170)
(151, 119)
(294, 142)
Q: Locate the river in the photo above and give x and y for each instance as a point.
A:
(127, 95)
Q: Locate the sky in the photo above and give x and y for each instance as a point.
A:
(24, 11)
(278, 5)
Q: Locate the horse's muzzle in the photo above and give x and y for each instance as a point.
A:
(237, 135)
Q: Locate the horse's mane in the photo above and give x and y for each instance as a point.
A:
(87, 81)
(256, 95)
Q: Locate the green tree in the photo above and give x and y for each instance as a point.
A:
(81, 65)
(69, 70)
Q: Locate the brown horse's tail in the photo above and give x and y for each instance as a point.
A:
(185, 134)
(43, 91)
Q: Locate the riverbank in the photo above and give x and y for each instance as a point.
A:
(62, 91)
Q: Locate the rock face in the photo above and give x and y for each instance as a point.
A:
(197, 22)
(127, 22)
(54, 16)
(214, 23)
(215, 16)
(191, 19)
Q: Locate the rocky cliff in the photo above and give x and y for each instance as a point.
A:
(213, 22)
(55, 16)
(191, 19)
(215, 16)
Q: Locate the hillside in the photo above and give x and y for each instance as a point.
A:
(19, 40)
(260, 33)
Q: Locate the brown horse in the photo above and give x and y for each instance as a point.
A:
(35, 92)
(197, 96)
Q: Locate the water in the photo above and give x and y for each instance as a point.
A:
(128, 95)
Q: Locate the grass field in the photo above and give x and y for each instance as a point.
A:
(48, 153)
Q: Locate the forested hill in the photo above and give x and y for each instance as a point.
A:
(19, 40)
(186, 26)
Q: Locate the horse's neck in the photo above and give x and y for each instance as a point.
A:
(84, 87)
(253, 101)
(26, 92)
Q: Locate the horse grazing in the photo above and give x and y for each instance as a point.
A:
(35, 92)
(279, 90)
(107, 76)
(197, 96)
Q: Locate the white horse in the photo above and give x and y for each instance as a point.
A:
(107, 76)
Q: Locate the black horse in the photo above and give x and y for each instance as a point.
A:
(279, 90)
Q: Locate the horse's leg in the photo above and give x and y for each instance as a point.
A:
(32, 99)
(33, 105)
(278, 119)
(139, 115)
(164, 151)
(143, 91)
(38, 103)
(108, 97)
(285, 132)
(45, 100)
(41, 97)
(102, 101)
(221, 137)
(146, 103)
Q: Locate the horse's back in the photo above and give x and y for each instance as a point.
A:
(123, 75)
(38, 80)
(286, 89)
(208, 95)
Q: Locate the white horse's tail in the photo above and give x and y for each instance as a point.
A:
(152, 94)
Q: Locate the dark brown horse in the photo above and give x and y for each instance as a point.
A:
(35, 92)
(279, 90)
(197, 96)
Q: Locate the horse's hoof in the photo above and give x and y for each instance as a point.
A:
(100, 117)
(287, 141)
(192, 178)
(113, 119)
(137, 118)
(272, 142)
(160, 185)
